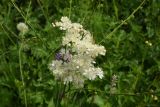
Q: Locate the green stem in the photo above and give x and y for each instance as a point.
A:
(7, 35)
(123, 22)
(43, 11)
(70, 8)
(108, 93)
(22, 77)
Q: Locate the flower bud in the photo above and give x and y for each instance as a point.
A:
(22, 27)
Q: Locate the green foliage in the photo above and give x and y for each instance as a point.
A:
(133, 53)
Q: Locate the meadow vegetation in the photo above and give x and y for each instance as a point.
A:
(128, 29)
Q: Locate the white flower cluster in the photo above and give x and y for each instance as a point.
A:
(75, 61)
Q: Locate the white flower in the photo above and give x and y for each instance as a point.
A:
(22, 27)
(92, 72)
(75, 62)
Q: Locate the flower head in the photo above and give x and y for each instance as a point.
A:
(22, 27)
(75, 62)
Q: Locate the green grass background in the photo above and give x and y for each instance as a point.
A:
(25, 80)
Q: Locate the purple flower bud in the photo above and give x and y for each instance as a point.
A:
(58, 56)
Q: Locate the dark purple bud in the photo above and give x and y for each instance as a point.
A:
(58, 56)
